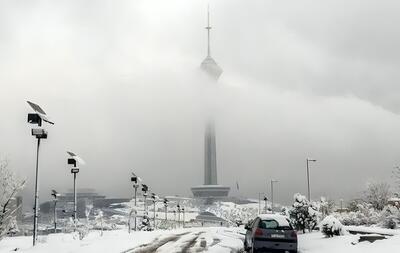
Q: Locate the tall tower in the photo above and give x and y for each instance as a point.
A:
(210, 189)
(209, 65)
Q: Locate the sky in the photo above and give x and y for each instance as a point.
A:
(121, 80)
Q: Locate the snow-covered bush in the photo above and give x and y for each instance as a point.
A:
(365, 214)
(389, 217)
(330, 226)
(303, 214)
(145, 224)
(9, 187)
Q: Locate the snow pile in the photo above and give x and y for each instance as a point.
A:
(330, 226)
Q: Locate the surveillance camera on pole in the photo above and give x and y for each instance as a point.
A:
(55, 195)
(37, 118)
(135, 180)
(73, 160)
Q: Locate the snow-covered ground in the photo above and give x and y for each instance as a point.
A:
(180, 240)
(216, 239)
(316, 243)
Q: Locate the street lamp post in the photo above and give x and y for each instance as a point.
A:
(73, 160)
(135, 179)
(272, 194)
(308, 177)
(183, 217)
(40, 133)
(55, 194)
(166, 208)
(153, 196)
(259, 202)
(145, 188)
(179, 214)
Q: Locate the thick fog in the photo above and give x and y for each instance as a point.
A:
(121, 80)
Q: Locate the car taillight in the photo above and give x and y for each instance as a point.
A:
(259, 232)
(294, 234)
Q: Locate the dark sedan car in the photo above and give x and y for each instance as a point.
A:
(270, 233)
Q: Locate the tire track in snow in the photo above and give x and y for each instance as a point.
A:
(154, 245)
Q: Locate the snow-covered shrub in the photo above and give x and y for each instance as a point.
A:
(364, 214)
(303, 214)
(9, 187)
(389, 217)
(145, 224)
(330, 226)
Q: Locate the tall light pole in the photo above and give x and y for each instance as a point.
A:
(145, 189)
(154, 197)
(40, 133)
(259, 201)
(272, 194)
(135, 180)
(55, 194)
(179, 214)
(73, 160)
(183, 217)
(308, 177)
(166, 208)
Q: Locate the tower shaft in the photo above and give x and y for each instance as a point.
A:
(210, 156)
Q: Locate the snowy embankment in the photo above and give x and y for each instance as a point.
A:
(180, 240)
(317, 243)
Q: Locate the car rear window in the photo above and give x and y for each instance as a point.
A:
(272, 224)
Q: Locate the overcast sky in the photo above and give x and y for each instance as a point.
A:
(121, 80)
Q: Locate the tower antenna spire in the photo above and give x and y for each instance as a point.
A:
(208, 27)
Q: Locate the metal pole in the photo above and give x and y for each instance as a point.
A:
(55, 216)
(154, 215)
(179, 217)
(308, 182)
(265, 204)
(135, 206)
(75, 199)
(259, 204)
(145, 203)
(35, 208)
(272, 196)
(183, 218)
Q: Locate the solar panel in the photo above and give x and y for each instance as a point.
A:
(36, 107)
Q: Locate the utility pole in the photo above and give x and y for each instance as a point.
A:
(308, 177)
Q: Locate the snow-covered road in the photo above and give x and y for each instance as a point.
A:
(194, 240)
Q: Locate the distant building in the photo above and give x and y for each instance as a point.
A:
(211, 189)
(85, 198)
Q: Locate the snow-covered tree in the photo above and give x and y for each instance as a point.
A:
(10, 185)
(326, 207)
(377, 194)
(303, 214)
